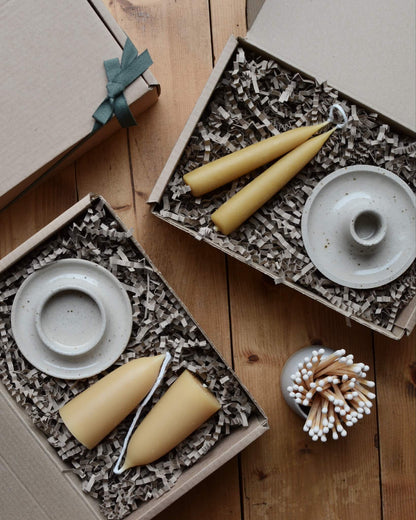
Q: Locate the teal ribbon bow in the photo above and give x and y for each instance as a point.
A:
(119, 76)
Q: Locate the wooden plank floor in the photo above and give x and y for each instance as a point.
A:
(371, 473)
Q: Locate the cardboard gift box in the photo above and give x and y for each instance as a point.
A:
(53, 81)
(42, 462)
(238, 106)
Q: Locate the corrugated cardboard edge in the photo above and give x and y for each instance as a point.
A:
(218, 456)
(44, 233)
(221, 453)
(406, 320)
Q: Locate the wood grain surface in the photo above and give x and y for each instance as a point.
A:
(371, 474)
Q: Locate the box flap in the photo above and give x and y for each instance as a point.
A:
(366, 50)
(30, 470)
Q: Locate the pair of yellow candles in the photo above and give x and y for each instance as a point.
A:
(94, 413)
(298, 145)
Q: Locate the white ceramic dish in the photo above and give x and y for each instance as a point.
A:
(71, 319)
(359, 226)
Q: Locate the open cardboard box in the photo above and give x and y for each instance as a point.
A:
(53, 81)
(284, 32)
(36, 483)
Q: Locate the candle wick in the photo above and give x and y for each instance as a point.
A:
(117, 470)
(341, 111)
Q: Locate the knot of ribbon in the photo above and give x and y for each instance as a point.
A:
(120, 75)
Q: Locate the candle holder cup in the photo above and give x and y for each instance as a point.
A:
(71, 320)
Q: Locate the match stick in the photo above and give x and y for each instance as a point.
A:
(336, 391)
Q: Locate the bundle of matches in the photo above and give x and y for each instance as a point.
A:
(336, 390)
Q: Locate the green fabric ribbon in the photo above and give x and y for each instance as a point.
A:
(119, 76)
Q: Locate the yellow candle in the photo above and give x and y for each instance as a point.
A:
(94, 413)
(249, 199)
(230, 167)
(181, 410)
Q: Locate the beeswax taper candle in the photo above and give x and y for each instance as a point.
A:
(94, 413)
(232, 166)
(181, 410)
(249, 199)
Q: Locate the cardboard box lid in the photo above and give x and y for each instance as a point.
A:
(366, 50)
(53, 79)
